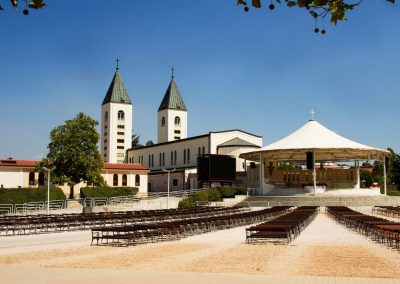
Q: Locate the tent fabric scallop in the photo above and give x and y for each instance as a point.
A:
(314, 137)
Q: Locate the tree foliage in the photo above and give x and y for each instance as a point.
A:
(73, 151)
(33, 4)
(394, 169)
(149, 143)
(135, 140)
(336, 10)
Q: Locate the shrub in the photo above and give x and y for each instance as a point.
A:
(107, 192)
(186, 203)
(25, 195)
(214, 194)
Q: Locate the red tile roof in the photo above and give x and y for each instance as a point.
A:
(32, 164)
(18, 163)
(137, 167)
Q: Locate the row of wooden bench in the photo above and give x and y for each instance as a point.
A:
(390, 211)
(284, 228)
(154, 232)
(380, 229)
(34, 224)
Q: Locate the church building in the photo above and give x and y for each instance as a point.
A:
(174, 152)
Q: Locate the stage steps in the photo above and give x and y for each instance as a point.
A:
(262, 201)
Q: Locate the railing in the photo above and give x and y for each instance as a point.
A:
(41, 206)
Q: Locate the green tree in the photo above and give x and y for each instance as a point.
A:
(73, 150)
(336, 10)
(149, 143)
(394, 168)
(135, 140)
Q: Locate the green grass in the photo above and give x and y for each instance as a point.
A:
(25, 195)
(107, 192)
(391, 190)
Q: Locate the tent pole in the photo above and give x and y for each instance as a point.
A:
(357, 166)
(384, 175)
(261, 176)
(314, 175)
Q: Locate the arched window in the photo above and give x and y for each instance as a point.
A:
(137, 180)
(188, 156)
(121, 115)
(177, 120)
(41, 178)
(163, 121)
(124, 180)
(106, 116)
(199, 151)
(31, 178)
(115, 180)
(172, 157)
(163, 159)
(184, 156)
(204, 150)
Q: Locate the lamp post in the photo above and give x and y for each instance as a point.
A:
(48, 187)
(169, 174)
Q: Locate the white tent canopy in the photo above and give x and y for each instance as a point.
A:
(314, 137)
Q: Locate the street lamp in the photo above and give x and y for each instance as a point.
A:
(169, 173)
(48, 187)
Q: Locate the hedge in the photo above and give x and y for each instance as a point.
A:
(25, 195)
(212, 194)
(107, 192)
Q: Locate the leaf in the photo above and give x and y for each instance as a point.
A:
(391, 1)
(36, 4)
(256, 3)
(1, 8)
(241, 2)
(291, 3)
(14, 3)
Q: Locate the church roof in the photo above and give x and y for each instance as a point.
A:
(172, 98)
(116, 92)
(237, 142)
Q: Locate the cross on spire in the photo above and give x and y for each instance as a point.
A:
(172, 73)
(312, 112)
(117, 63)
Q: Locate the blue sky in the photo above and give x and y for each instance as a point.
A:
(261, 71)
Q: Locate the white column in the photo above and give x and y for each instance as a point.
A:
(357, 166)
(384, 176)
(261, 175)
(314, 175)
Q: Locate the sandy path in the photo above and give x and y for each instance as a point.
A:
(324, 248)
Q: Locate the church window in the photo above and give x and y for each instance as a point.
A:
(120, 133)
(188, 156)
(175, 182)
(177, 120)
(124, 180)
(121, 115)
(105, 148)
(31, 178)
(105, 155)
(41, 178)
(177, 137)
(184, 156)
(175, 158)
(121, 126)
(204, 150)
(152, 160)
(106, 116)
(120, 147)
(199, 151)
(163, 121)
(115, 180)
(177, 131)
(163, 159)
(105, 126)
(137, 180)
(172, 158)
(120, 140)
(159, 162)
(105, 133)
(149, 160)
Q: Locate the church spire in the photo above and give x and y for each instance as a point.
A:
(117, 92)
(172, 98)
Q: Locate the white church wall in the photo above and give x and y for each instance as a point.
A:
(167, 133)
(217, 138)
(11, 178)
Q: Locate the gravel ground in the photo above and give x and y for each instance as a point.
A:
(324, 248)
